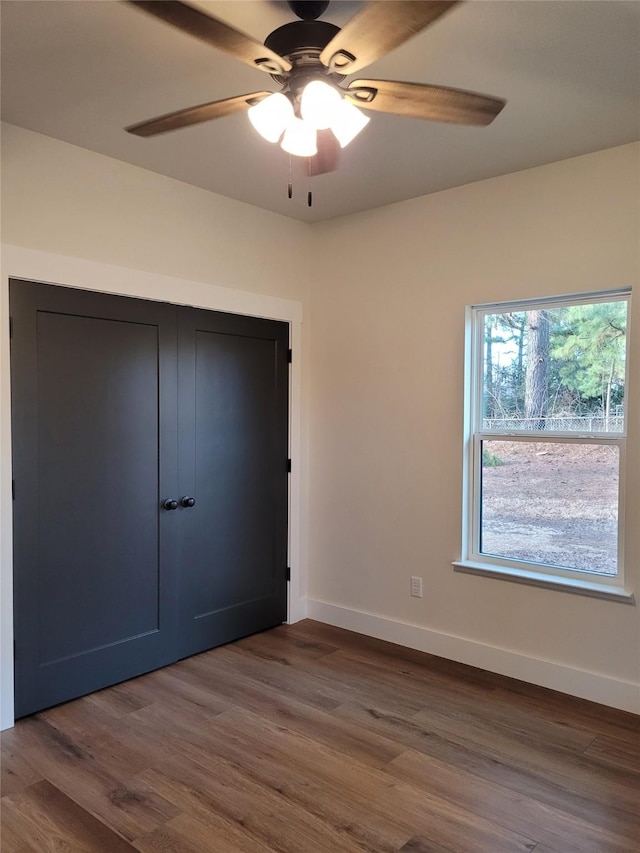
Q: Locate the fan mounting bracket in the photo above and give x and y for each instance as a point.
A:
(308, 10)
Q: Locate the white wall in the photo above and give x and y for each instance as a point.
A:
(60, 198)
(73, 217)
(386, 419)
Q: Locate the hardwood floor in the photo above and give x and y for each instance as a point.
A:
(310, 739)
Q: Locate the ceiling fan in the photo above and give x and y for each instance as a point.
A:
(315, 113)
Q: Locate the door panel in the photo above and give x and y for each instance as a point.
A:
(233, 453)
(94, 384)
(98, 476)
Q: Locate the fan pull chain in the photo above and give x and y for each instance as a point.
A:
(290, 184)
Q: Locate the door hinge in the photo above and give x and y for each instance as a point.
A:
(288, 466)
(11, 328)
(288, 573)
(13, 490)
(289, 355)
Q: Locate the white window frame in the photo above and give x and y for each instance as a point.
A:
(539, 574)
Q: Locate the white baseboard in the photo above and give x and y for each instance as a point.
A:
(624, 695)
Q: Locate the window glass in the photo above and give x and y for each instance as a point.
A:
(551, 503)
(557, 368)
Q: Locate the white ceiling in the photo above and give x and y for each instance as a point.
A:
(81, 71)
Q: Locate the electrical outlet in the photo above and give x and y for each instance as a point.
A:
(416, 587)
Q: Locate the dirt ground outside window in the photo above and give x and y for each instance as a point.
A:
(551, 503)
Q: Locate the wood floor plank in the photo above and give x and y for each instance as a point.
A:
(283, 778)
(544, 848)
(86, 776)
(82, 721)
(260, 812)
(16, 773)
(291, 772)
(515, 743)
(355, 677)
(520, 813)
(434, 694)
(124, 698)
(461, 675)
(55, 822)
(549, 704)
(185, 834)
(421, 845)
(180, 705)
(310, 739)
(285, 648)
(10, 839)
(410, 673)
(231, 683)
(527, 773)
(282, 674)
(615, 752)
(580, 712)
(369, 792)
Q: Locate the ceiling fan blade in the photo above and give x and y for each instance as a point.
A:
(378, 29)
(195, 115)
(216, 33)
(435, 103)
(328, 157)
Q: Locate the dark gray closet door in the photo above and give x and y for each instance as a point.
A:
(94, 439)
(111, 418)
(233, 427)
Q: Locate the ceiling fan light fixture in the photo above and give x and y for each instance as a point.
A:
(299, 139)
(347, 122)
(272, 116)
(319, 104)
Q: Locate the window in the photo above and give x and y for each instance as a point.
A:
(545, 441)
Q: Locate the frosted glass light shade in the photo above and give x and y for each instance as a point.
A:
(347, 123)
(271, 116)
(319, 104)
(300, 139)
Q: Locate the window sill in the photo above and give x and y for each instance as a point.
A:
(577, 586)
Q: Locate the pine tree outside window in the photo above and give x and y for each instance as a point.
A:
(545, 435)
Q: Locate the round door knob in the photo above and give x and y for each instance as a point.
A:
(186, 501)
(169, 503)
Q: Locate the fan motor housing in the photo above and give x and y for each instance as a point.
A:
(301, 36)
(302, 42)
